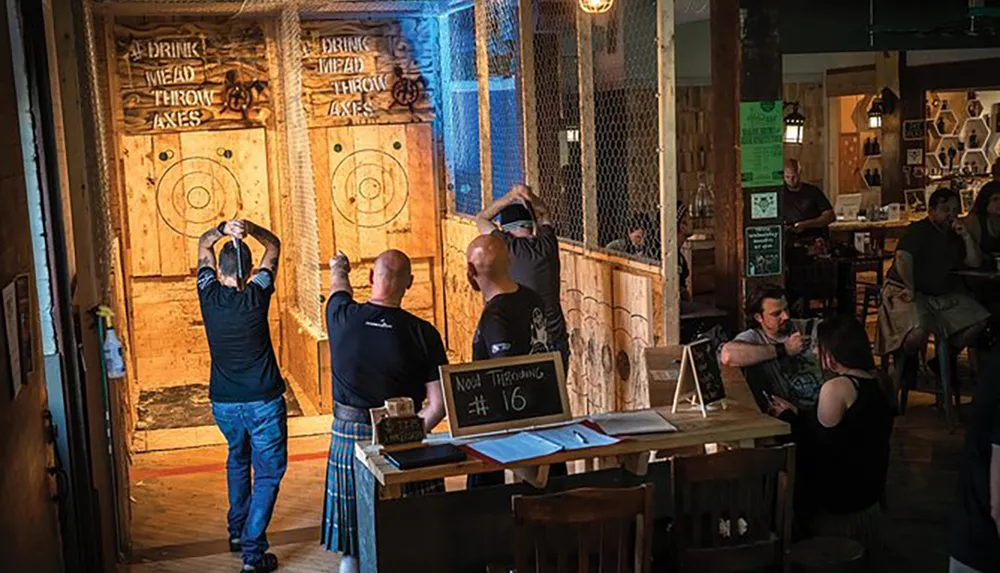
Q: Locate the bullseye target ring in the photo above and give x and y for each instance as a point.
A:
(195, 193)
(370, 188)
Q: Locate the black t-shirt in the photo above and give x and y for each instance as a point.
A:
(244, 368)
(936, 253)
(807, 203)
(379, 352)
(535, 264)
(974, 539)
(512, 324)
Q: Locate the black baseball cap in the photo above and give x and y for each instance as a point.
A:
(516, 216)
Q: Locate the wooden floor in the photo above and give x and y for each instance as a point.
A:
(180, 503)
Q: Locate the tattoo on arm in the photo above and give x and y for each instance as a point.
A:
(206, 248)
(272, 246)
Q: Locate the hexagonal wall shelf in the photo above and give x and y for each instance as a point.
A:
(975, 133)
(947, 142)
(945, 122)
(974, 108)
(976, 160)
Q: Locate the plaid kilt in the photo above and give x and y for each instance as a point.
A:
(340, 513)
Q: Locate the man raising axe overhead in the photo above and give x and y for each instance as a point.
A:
(246, 387)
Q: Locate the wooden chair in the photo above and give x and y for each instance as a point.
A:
(588, 530)
(733, 510)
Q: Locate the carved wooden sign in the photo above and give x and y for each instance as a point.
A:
(371, 72)
(186, 76)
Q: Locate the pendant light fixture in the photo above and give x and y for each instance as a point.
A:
(875, 114)
(596, 6)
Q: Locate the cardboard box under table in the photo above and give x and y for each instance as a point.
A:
(469, 529)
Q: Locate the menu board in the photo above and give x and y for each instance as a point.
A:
(369, 72)
(187, 76)
(762, 147)
(505, 394)
(763, 251)
(707, 375)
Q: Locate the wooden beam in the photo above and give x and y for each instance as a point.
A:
(307, 8)
(725, 55)
(666, 80)
(887, 74)
(526, 23)
(761, 81)
(588, 149)
(483, 80)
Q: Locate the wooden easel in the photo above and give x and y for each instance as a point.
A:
(689, 376)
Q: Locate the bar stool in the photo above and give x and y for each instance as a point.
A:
(942, 349)
(828, 555)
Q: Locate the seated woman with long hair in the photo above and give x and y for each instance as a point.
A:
(842, 445)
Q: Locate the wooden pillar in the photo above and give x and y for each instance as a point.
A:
(725, 54)
(912, 107)
(526, 24)
(588, 149)
(666, 79)
(887, 75)
(483, 81)
(746, 68)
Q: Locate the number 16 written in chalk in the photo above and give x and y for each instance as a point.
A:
(514, 400)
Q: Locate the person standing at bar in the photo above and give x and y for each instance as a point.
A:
(805, 209)
(377, 351)
(534, 254)
(245, 387)
(509, 325)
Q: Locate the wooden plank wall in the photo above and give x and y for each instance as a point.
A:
(694, 136)
(613, 311)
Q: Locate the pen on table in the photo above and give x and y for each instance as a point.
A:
(580, 436)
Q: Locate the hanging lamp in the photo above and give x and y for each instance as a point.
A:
(596, 6)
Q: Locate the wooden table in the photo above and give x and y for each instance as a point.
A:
(470, 529)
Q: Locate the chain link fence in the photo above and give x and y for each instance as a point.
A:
(626, 130)
(460, 95)
(557, 116)
(506, 123)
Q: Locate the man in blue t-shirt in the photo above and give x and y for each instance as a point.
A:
(246, 387)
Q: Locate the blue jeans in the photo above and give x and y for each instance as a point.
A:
(257, 433)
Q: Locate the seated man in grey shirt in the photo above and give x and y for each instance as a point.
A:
(777, 354)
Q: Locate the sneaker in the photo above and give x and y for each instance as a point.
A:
(234, 545)
(268, 562)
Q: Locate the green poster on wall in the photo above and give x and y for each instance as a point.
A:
(762, 149)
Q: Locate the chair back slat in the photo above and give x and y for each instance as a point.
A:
(733, 509)
(587, 530)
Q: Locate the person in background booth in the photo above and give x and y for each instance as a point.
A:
(805, 209)
(983, 222)
(922, 294)
(842, 445)
(507, 324)
(530, 237)
(377, 351)
(777, 352)
(637, 241)
(245, 387)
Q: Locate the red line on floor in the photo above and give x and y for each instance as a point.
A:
(143, 474)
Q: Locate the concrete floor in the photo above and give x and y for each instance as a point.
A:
(180, 503)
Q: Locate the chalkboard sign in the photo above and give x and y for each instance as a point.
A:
(505, 394)
(763, 251)
(700, 369)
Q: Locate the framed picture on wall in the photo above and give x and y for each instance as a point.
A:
(915, 156)
(914, 129)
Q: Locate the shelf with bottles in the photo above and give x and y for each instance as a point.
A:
(872, 177)
(945, 122)
(975, 133)
(948, 153)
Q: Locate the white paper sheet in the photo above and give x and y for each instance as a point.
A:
(515, 448)
(575, 437)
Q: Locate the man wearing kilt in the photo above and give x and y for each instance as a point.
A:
(377, 351)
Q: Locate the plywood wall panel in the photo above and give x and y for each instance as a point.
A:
(463, 305)
(633, 333)
(140, 199)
